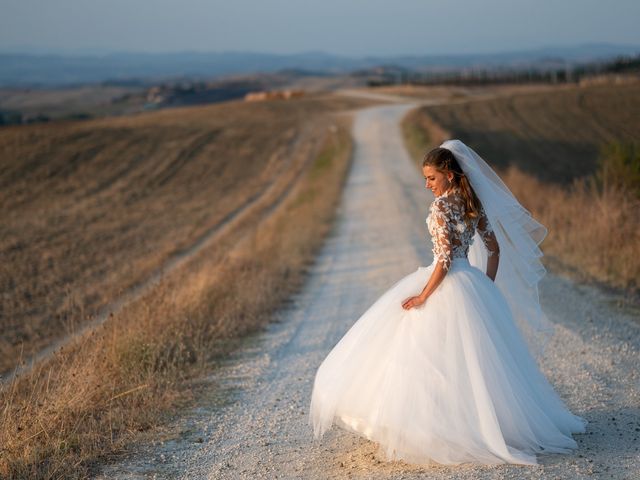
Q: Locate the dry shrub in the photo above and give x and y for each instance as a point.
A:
(93, 397)
(593, 230)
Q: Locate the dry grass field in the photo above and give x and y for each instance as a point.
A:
(86, 100)
(549, 147)
(90, 209)
(108, 201)
(554, 135)
(457, 93)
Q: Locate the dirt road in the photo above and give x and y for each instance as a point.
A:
(256, 424)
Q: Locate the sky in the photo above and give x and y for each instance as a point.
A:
(348, 27)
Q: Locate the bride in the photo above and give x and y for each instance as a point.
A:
(438, 368)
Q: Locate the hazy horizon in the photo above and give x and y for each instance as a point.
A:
(357, 28)
(29, 49)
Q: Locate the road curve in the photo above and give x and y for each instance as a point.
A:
(256, 424)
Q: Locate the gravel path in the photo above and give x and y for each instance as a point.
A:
(255, 425)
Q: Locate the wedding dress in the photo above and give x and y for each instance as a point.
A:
(453, 380)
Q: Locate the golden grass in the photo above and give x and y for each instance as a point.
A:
(90, 209)
(97, 394)
(592, 231)
(545, 148)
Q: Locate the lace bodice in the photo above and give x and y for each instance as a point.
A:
(450, 235)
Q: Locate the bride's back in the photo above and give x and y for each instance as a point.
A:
(452, 233)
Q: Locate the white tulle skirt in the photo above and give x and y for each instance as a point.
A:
(450, 381)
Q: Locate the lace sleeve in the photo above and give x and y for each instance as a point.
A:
(442, 237)
(487, 235)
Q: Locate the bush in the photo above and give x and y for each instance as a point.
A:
(619, 167)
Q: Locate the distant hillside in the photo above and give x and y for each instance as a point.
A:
(29, 69)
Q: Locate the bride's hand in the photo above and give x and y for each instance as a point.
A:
(413, 302)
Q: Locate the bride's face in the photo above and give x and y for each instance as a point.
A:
(436, 181)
